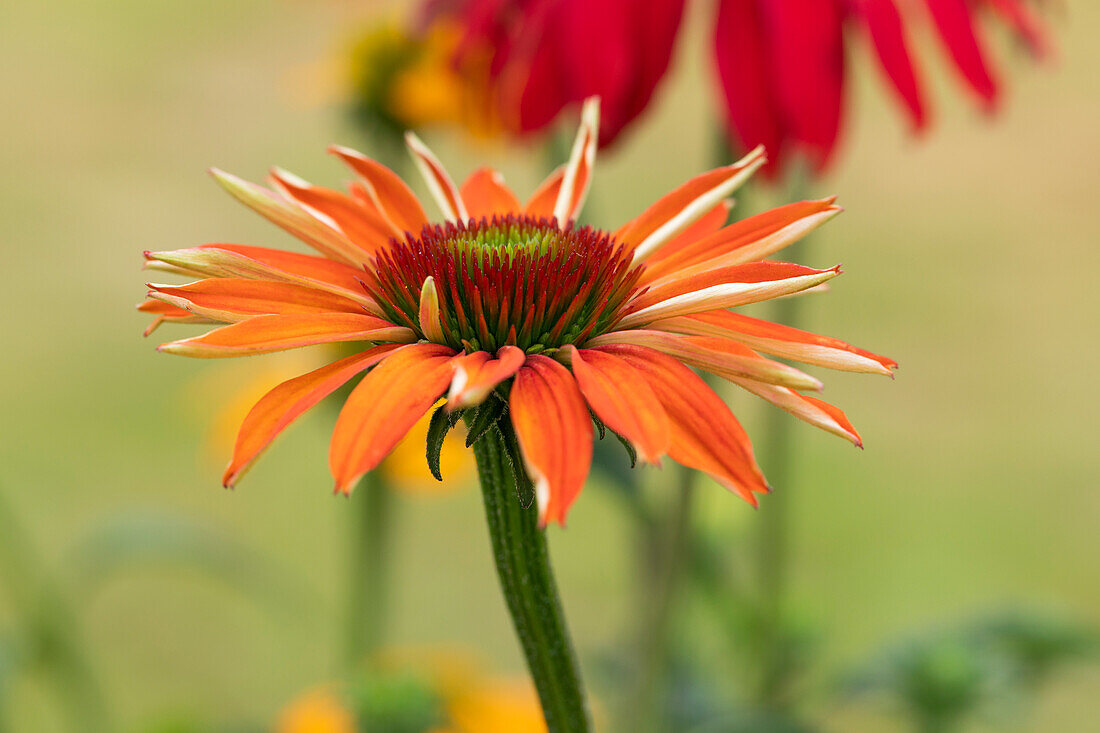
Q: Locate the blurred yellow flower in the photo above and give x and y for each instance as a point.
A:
(407, 80)
(317, 711)
(497, 706)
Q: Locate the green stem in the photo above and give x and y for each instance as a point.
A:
(527, 580)
(51, 627)
(368, 600)
(666, 547)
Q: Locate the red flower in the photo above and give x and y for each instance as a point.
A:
(781, 63)
(511, 305)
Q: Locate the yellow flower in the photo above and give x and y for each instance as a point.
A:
(317, 711)
(497, 706)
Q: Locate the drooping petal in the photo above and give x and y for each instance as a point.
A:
(623, 400)
(723, 288)
(578, 171)
(814, 411)
(486, 194)
(264, 334)
(541, 203)
(956, 25)
(742, 50)
(676, 211)
(719, 356)
(439, 182)
(277, 409)
(744, 241)
(234, 299)
(360, 223)
(289, 216)
(887, 31)
(384, 406)
(168, 313)
(478, 374)
(703, 433)
(554, 431)
(390, 195)
(780, 340)
(807, 62)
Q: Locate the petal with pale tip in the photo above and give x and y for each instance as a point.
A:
(478, 374)
(814, 411)
(236, 299)
(675, 212)
(360, 223)
(729, 289)
(429, 322)
(384, 406)
(578, 171)
(622, 399)
(440, 183)
(277, 409)
(485, 195)
(719, 356)
(703, 433)
(554, 431)
(289, 216)
(782, 341)
(265, 334)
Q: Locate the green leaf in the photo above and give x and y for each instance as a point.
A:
(629, 449)
(488, 414)
(438, 428)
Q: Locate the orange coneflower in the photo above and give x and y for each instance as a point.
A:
(516, 303)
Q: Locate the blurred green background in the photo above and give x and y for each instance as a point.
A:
(970, 257)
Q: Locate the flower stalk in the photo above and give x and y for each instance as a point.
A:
(527, 580)
(368, 602)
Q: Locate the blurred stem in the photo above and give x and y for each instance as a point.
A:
(527, 580)
(773, 550)
(665, 549)
(368, 603)
(47, 620)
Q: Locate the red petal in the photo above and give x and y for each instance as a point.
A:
(704, 434)
(555, 434)
(960, 34)
(277, 409)
(884, 24)
(623, 400)
(384, 406)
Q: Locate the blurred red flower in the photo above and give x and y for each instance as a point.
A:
(781, 64)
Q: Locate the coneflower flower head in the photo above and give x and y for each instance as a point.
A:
(515, 310)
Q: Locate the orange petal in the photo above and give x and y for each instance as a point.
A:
(743, 241)
(360, 223)
(704, 434)
(476, 375)
(782, 341)
(264, 334)
(554, 431)
(727, 287)
(235, 299)
(429, 317)
(578, 171)
(623, 400)
(814, 411)
(707, 224)
(277, 409)
(384, 406)
(541, 203)
(168, 313)
(439, 182)
(719, 356)
(486, 194)
(327, 240)
(675, 212)
(390, 195)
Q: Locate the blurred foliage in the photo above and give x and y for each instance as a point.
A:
(991, 665)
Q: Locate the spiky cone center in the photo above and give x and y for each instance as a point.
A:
(514, 280)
